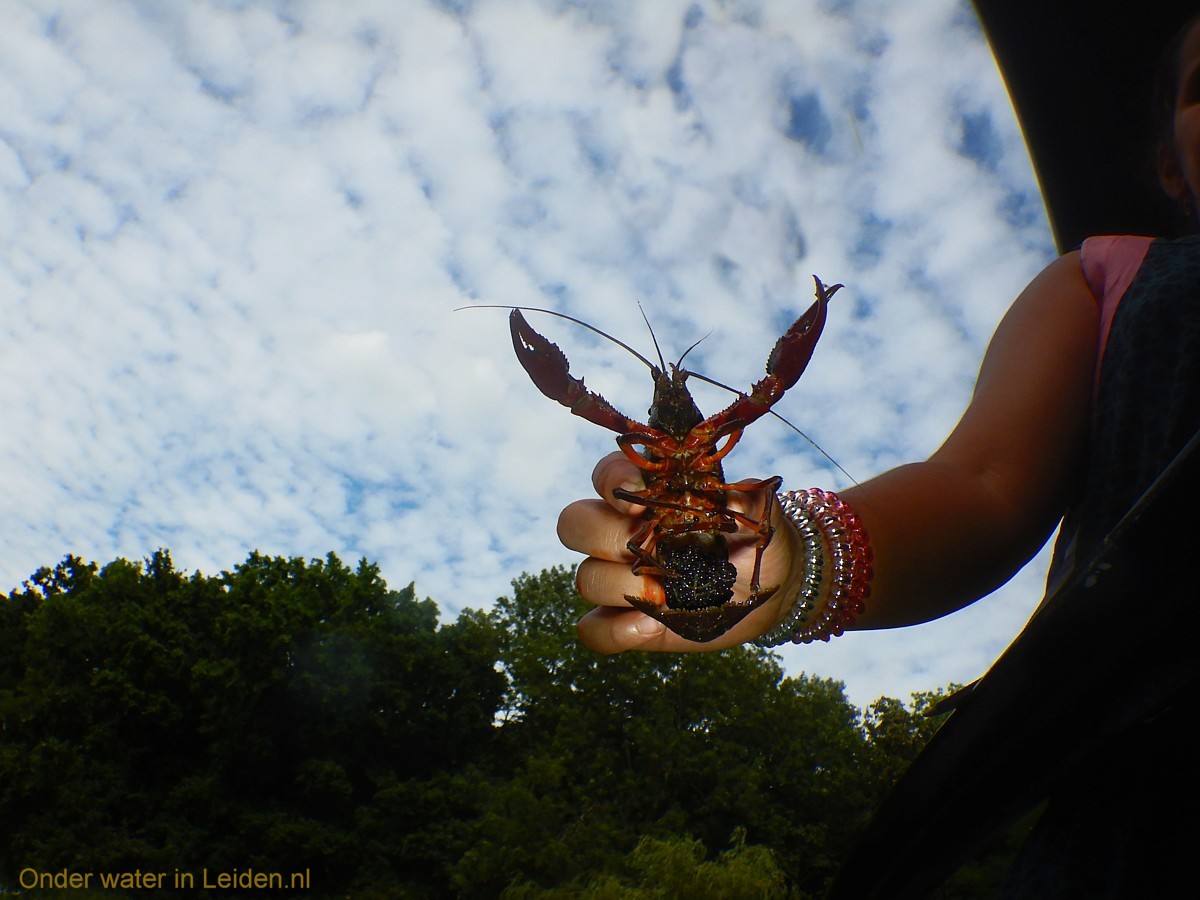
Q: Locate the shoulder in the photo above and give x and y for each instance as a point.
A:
(1110, 261)
(1056, 311)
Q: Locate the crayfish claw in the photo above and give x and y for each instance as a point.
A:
(549, 370)
(792, 352)
(545, 363)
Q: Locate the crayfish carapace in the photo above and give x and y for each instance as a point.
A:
(682, 539)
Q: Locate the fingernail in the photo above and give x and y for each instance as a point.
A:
(647, 627)
(630, 487)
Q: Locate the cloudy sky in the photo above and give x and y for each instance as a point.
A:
(234, 235)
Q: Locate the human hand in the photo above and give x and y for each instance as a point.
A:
(602, 528)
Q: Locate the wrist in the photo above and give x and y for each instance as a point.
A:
(832, 579)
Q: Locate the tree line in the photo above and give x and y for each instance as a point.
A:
(296, 716)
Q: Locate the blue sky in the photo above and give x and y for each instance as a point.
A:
(235, 234)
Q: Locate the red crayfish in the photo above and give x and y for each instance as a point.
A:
(682, 540)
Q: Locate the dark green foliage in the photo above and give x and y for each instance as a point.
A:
(294, 715)
(606, 750)
(897, 733)
(263, 718)
(661, 868)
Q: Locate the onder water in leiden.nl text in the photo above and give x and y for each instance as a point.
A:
(137, 879)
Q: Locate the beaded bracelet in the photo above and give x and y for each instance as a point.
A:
(826, 523)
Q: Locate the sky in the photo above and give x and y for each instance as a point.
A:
(235, 236)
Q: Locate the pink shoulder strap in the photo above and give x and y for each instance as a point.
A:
(1109, 264)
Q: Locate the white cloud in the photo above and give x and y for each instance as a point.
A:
(234, 237)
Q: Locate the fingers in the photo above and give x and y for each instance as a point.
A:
(616, 471)
(602, 530)
(609, 629)
(615, 629)
(604, 583)
(594, 528)
(614, 626)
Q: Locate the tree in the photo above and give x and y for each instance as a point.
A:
(662, 868)
(267, 718)
(897, 733)
(605, 751)
(293, 715)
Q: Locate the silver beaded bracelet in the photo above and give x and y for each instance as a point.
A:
(814, 564)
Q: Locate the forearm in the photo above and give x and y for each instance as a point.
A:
(950, 530)
(941, 538)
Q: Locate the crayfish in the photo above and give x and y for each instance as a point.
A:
(682, 537)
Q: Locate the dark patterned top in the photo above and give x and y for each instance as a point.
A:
(1083, 710)
(1102, 833)
(1148, 401)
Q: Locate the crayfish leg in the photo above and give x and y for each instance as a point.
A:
(733, 431)
(646, 498)
(761, 526)
(642, 545)
(765, 533)
(665, 445)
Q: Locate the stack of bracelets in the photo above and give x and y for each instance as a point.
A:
(829, 530)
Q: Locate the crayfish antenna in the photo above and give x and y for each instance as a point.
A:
(837, 465)
(662, 362)
(690, 349)
(653, 337)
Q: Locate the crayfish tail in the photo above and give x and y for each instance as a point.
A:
(699, 603)
(701, 625)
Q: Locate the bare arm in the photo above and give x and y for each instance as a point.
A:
(945, 531)
(951, 529)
